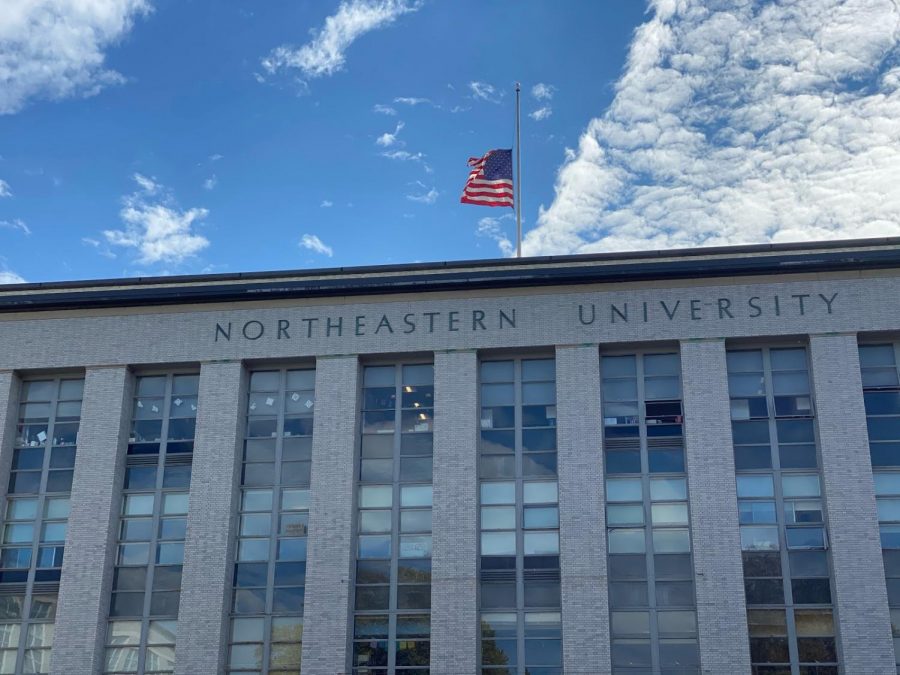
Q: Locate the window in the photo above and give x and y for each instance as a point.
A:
(270, 566)
(651, 591)
(881, 391)
(35, 519)
(143, 611)
(782, 519)
(521, 630)
(392, 604)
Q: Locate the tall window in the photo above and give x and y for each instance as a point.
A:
(143, 608)
(881, 389)
(34, 526)
(651, 588)
(783, 533)
(521, 630)
(392, 621)
(270, 570)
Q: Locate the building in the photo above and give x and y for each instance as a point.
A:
(659, 463)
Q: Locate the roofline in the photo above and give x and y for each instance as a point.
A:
(711, 262)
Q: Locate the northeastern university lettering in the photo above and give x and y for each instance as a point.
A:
(796, 304)
(617, 311)
(368, 324)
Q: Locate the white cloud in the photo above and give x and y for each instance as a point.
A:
(485, 92)
(384, 109)
(316, 245)
(326, 204)
(216, 157)
(101, 247)
(491, 228)
(404, 156)
(324, 54)
(411, 100)
(428, 197)
(541, 114)
(388, 139)
(210, 183)
(740, 122)
(157, 229)
(5, 190)
(10, 277)
(54, 49)
(15, 224)
(542, 91)
(148, 185)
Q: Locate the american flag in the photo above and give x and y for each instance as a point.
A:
(490, 181)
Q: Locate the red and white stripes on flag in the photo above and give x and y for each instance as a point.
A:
(490, 180)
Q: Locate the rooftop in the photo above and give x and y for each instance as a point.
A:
(759, 259)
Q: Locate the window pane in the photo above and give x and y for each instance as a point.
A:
(626, 541)
(498, 543)
(755, 486)
(669, 514)
(800, 486)
(498, 493)
(668, 488)
(624, 490)
(538, 493)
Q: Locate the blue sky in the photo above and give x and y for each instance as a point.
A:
(181, 136)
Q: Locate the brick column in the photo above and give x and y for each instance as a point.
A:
(91, 540)
(202, 640)
(330, 554)
(582, 544)
(864, 625)
(715, 534)
(10, 386)
(454, 603)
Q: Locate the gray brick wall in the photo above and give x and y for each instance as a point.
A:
(582, 531)
(90, 542)
(715, 535)
(864, 626)
(330, 554)
(209, 542)
(454, 604)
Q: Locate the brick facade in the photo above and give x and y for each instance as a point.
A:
(458, 327)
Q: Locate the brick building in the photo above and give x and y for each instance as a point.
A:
(664, 463)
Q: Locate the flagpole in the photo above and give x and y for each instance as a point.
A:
(518, 179)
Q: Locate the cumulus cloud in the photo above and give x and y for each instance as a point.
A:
(155, 227)
(542, 91)
(210, 183)
(316, 245)
(411, 100)
(5, 190)
(325, 54)
(388, 139)
(740, 122)
(484, 91)
(15, 224)
(54, 49)
(326, 204)
(404, 156)
(492, 228)
(429, 196)
(384, 109)
(10, 277)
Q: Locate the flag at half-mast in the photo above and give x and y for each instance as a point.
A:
(490, 181)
